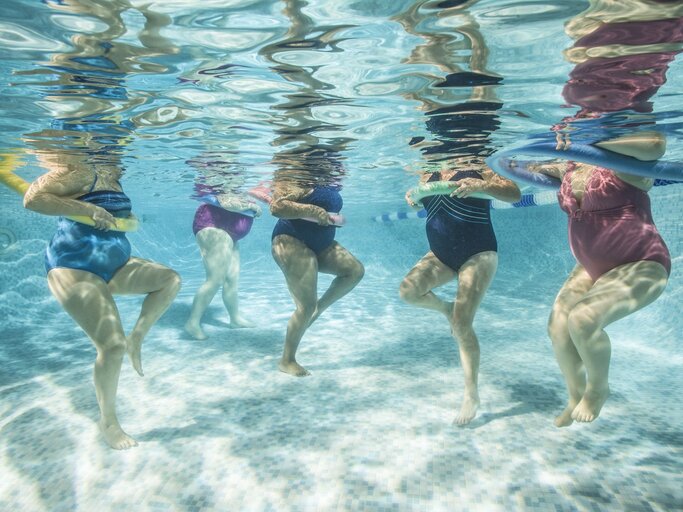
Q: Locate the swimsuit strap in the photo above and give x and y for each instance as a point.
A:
(92, 187)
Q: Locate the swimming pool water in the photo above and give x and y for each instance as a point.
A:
(219, 427)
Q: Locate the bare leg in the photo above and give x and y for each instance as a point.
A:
(574, 289)
(616, 294)
(221, 263)
(161, 284)
(336, 260)
(300, 267)
(427, 274)
(87, 299)
(230, 287)
(474, 278)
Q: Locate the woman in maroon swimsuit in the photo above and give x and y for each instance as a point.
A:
(217, 228)
(622, 265)
(621, 56)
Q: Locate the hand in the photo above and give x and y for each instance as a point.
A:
(410, 201)
(256, 208)
(103, 219)
(323, 217)
(467, 187)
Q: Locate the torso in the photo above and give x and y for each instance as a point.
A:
(316, 237)
(457, 229)
(610, 221)
(81, 247)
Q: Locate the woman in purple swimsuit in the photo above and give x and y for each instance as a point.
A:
(217, 228)
(622, 266)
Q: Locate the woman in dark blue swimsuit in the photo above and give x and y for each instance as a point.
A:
(463, 246)
(302, 249)
(88, 265)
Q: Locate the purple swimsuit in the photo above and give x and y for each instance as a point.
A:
(612, 226)
(234, 224)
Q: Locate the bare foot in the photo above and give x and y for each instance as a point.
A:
(238, 323)
(468, 409)
(293, 368)
(134, 349)
(564, 419)
(590, 405)
(115, 436)
(195, 331)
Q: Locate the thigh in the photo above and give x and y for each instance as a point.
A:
(337, 260)
(621, 291)
(88, 300)
(217, 248)
(299, 265)
(474, 278)
(428, 273)
(139, 276)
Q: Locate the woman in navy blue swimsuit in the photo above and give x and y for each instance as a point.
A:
(88, 265)
(302, 249)
(463, 246)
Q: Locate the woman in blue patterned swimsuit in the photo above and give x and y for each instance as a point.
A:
(463, 246)
(88, 265)
(302, 249)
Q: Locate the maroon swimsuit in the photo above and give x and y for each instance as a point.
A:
(612, 226)
(234, 224)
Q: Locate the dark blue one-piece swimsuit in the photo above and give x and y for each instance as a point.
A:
(84, 247)
(316, 237)
(457, 229)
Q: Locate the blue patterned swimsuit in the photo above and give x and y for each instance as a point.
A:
(457, 229)
(84, 247)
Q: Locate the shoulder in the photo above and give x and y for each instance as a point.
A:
(644, 184)
(288, 192)
(492, 177)
(65, 182)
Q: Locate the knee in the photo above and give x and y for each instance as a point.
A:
(357, 272)
(113, 347)
(557, 327)
(582, 325)
(173, 281)
(407, 291)
(307, 308)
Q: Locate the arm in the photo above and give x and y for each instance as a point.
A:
(238, 203)
(285, 206)
(413, 204)
(637, 181)
(645, 145)
(553, 168)
(492, 184)
(53, 194)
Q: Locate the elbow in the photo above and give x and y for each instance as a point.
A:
(275, 209)
(31, 201)
(516, 195)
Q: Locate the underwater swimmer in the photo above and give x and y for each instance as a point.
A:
(87, 266)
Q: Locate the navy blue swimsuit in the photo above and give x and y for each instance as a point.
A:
(84, 247)
(457, 229)
(316, 237)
